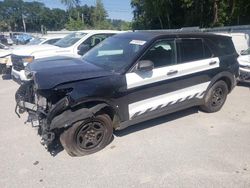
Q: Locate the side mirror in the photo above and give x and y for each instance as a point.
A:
(82, 49)
(145, 65)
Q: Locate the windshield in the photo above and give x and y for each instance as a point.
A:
(36, 41)
(114, 53)
(246, 52)
(70, 39)
(3, 46)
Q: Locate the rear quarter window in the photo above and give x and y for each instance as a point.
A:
(224, 45)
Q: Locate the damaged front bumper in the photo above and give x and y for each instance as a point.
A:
(25, 102)
(37, 119)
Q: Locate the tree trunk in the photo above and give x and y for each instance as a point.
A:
(168, 18)
(233, 3)
(159, 17)
(216, 9)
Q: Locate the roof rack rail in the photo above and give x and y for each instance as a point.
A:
(184, 29)
(228, 29)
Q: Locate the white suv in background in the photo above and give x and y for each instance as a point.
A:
(74, 45)
(45, 39)
(244, 61)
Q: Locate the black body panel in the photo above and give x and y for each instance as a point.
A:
(50, 72)
(68, 83)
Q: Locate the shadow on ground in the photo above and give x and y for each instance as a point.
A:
(244, 84)
(6, 77)
(56, 147)
(155, 122)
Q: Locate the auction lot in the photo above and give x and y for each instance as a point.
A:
(185, 149)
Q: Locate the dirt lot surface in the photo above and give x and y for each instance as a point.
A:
(185, 149)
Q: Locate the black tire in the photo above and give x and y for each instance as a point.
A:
(215, 97)
(87, 136)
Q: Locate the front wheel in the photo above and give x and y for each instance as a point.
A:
(87, 136)
(215, 97)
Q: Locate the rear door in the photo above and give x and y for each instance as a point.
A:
(181, 74)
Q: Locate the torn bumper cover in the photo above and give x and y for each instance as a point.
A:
(25, 102)
(53, 120)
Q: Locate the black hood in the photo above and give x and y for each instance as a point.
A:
(49, 72)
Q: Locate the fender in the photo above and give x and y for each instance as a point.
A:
(68, 117)
(98, 101)
(225, 74)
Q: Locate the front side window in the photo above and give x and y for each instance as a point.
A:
(163, 53)
(70, 39)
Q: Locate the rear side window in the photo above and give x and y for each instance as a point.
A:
(190, 50)
(226, 46)
(223, 45)
(193, 50)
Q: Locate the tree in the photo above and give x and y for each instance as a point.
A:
(74, 25)
(160, 14)
(70, 3)
(99, 16)
(36, 16)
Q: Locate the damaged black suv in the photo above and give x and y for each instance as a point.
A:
(128, 78)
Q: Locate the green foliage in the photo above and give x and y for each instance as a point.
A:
(160, 14)
(99, 16)
(74, 25)
(120, 24)
(37, 16)
(70, 3)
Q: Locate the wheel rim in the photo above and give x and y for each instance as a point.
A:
(90, 135)
(218, 97)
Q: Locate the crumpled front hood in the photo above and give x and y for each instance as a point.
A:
(50, 72)
(32, 49)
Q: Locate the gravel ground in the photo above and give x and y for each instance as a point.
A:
(185, 149)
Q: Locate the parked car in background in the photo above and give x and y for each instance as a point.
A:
(127, 79)
(244, 61)
(46, 39)
(21, 38)
(9, 41)
(3, 40)
(74, 45)
(4, 58)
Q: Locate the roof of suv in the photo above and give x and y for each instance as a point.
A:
(99, 31)
(149, 35)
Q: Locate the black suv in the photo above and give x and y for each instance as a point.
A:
(128, 78)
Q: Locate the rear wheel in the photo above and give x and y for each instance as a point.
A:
(87, 136)
(215, 97)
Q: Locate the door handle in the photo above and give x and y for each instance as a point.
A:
(212, 62)
(172, 72)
